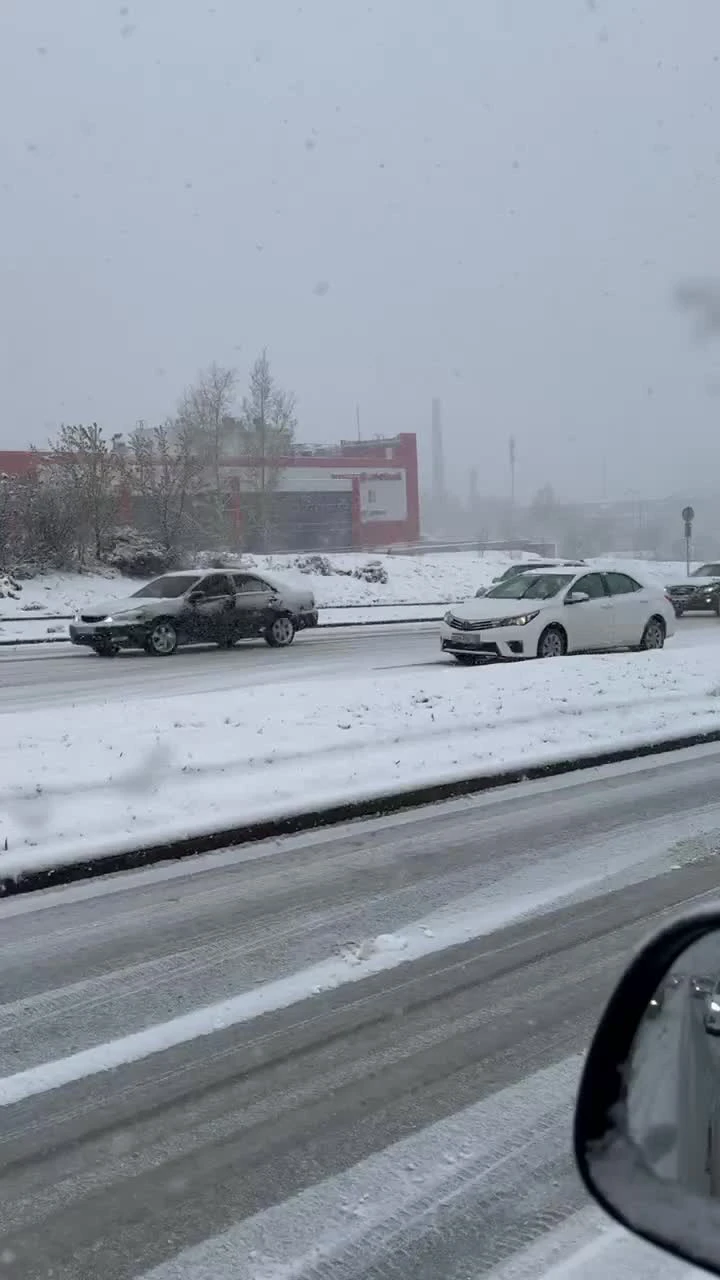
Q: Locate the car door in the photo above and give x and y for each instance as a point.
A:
(253, 598)
(212, 616)
(589, 624)
(632, 606)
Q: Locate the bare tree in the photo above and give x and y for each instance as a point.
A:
(267, 423)
(203, 418)
(39, 519)
(163, 466)
(91, 469)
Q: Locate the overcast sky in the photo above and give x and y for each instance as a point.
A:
(490, 201)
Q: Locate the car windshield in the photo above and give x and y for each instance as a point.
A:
(530, 586)
(706, 571)
(168, 587)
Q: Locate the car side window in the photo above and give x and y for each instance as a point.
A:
(243, 583)
(216, 584)
(621, 584)
(592, 584)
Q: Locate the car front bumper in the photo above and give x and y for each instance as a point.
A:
(491, 644)
(92, 634)
(698, 602)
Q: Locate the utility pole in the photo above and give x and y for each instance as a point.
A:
(357, 419)
(438, 458)
(511, 457)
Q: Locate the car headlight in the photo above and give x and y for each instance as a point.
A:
(714, 1006)
(134, 615)
(521, 620)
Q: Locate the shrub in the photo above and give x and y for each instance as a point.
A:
(139, 556)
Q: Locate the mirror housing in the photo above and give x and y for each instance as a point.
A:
(631, 1167)
(195, 597)
(576, 597)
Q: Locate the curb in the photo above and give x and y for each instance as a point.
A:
(379, 805)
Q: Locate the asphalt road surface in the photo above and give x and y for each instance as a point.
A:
(411, 1122)
(34, 677)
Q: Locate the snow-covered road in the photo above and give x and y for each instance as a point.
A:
(40, 676)
(409, 1117)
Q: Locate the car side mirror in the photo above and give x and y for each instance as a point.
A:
(195, 597)
(647, 1117)
(481, 591)
(576, 597)
(496, 579)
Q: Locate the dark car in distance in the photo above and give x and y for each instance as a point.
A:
(700, 593)
(524, 565)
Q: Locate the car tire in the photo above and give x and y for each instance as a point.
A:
(466, 659)
(653, 637)
(552, 643)
(106, 650)
(281, 632)
(162, 640)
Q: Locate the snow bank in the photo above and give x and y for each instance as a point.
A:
(80, 780)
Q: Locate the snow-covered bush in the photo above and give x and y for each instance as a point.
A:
(9, 587)
(315, 564)
(139, 556)
(373, 571)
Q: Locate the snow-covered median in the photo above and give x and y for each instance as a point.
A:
(87, 779)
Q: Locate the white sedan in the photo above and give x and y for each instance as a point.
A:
(545, 613)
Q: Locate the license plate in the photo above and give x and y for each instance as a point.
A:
(461, 640)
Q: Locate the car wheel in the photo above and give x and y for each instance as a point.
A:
(653, 636)
(679, 612)
(106, 650)
(163, 639)
(552, 643)
(466, 659)
(281, 632)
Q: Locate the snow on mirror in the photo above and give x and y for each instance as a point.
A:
(673, 1074)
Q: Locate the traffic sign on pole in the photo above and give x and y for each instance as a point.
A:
(688, 515)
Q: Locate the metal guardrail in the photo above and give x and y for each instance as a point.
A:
(329, 626)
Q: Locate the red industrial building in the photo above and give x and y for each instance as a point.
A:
(358, 494)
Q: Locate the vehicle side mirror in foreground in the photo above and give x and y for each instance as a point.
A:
(576, 597)
(647, 1116)
(195, 597)
(481, 591)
